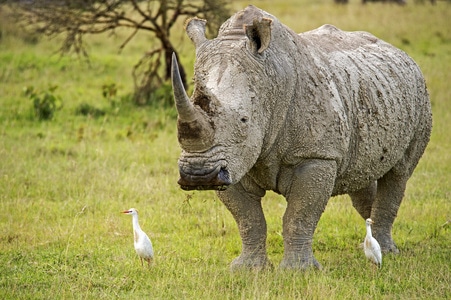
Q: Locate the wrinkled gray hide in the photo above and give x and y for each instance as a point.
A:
(309, 116)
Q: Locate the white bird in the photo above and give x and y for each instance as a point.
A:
(371, 246)
(142, 243)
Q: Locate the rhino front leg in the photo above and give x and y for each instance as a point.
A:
(247, 211)
(307, 195)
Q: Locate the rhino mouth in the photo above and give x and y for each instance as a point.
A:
(217, 178)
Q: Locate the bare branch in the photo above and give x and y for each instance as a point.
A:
(131, 36)
(138, 9)
(74, 19)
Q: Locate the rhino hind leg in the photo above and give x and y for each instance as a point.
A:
(382, 211)
(390, 191)
(391, 188)
(247, 211)
(363, 199)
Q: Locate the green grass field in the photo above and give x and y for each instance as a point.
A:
(64, 182)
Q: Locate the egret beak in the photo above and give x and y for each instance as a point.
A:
(125, 211)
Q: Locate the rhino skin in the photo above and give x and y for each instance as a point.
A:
(309, 116)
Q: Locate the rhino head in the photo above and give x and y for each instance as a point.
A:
(221, 126)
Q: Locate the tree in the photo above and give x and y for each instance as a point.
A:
(77, 18)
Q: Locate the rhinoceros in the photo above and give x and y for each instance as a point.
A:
(309, 116)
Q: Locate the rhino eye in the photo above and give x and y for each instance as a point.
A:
(244, 119)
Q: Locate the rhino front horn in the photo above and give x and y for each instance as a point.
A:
(184, 107)
(195, 133)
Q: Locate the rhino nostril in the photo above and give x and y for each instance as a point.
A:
(224, 176)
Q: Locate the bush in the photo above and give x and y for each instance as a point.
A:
(45, 103)
(160, 96)
(163, 96)
(86, 109)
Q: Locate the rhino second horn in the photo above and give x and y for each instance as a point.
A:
(195, 28)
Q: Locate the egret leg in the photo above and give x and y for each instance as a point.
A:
(149, 261)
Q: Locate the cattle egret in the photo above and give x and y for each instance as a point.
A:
(371, 246)
(143, 245)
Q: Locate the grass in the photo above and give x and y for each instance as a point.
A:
(63, 183)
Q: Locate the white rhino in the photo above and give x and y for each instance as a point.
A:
(309, 116)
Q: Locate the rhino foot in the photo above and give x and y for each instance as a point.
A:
(251, 263)
(300, 264)
(389, 248)
(386, 242)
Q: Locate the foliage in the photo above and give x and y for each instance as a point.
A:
(45, 103)
(109, 92)
(76, 19)
(163, 96)
(63, 183)
(87, 109)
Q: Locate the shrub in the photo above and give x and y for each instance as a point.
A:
(109, 92)
(86, 109)
(45, 103)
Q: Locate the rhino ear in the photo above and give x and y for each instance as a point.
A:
(195, 28)
(259, 34)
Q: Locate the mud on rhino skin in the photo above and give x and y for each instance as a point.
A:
(309, 116)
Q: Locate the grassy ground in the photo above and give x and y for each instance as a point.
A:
(63, 183)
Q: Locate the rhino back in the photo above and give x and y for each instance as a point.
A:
(361, 102)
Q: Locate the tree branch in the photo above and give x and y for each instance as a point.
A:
(77, 18)
(131, 36)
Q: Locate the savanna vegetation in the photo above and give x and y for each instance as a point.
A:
(75, 151)
(76, 19)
